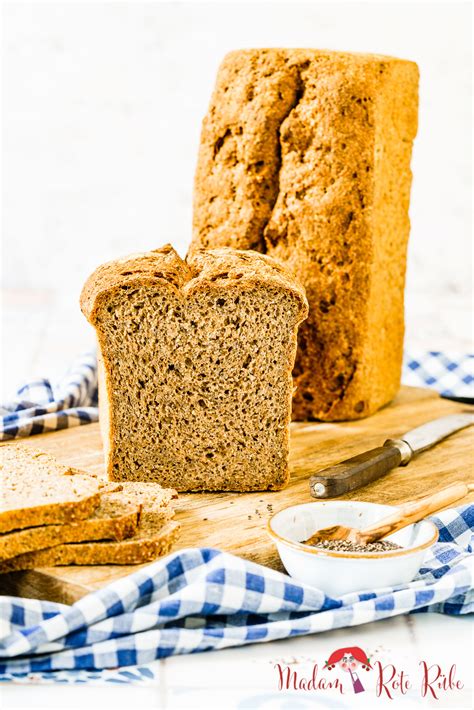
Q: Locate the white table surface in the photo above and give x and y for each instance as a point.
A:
(43, 336)
(245, 678)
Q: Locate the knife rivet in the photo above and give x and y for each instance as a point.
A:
(404, 448)
(319, 489)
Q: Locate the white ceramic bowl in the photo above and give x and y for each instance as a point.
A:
(338, 573)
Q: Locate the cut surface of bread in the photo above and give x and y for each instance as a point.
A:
(305, 156)
(195, 367)
(36, 490)
(155, 535)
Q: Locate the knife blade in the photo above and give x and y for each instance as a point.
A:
(371, 465)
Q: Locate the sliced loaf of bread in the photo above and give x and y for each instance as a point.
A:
(154, 537)
(195, 367)
(37, 490)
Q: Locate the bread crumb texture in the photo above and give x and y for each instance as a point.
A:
(196, 360)
(305, 156)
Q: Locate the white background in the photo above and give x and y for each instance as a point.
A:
(102, 105)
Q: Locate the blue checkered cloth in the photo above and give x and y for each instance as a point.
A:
(41, 407)
(449, 373)
(201, 599)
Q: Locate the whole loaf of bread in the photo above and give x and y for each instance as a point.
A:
(305, 156)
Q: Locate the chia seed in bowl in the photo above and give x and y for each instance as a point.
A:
(347, 546)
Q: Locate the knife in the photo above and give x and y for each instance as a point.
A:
(370, 465)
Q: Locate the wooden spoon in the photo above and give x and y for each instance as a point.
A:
(404, 515)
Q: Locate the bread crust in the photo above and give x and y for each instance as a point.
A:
(127, 552)
(204, 269)
(305, 155)
(116, 524)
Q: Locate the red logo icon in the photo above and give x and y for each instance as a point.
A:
(350, 659)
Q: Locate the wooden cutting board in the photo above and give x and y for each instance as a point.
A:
(237, 522)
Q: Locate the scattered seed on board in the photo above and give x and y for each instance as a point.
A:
(347, 546)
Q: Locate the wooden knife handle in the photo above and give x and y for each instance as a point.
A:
(355, 472)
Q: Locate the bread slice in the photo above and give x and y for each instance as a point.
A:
(36, 490)
(115, 518)
(195, 367)
(305, 156)
(154, 537)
